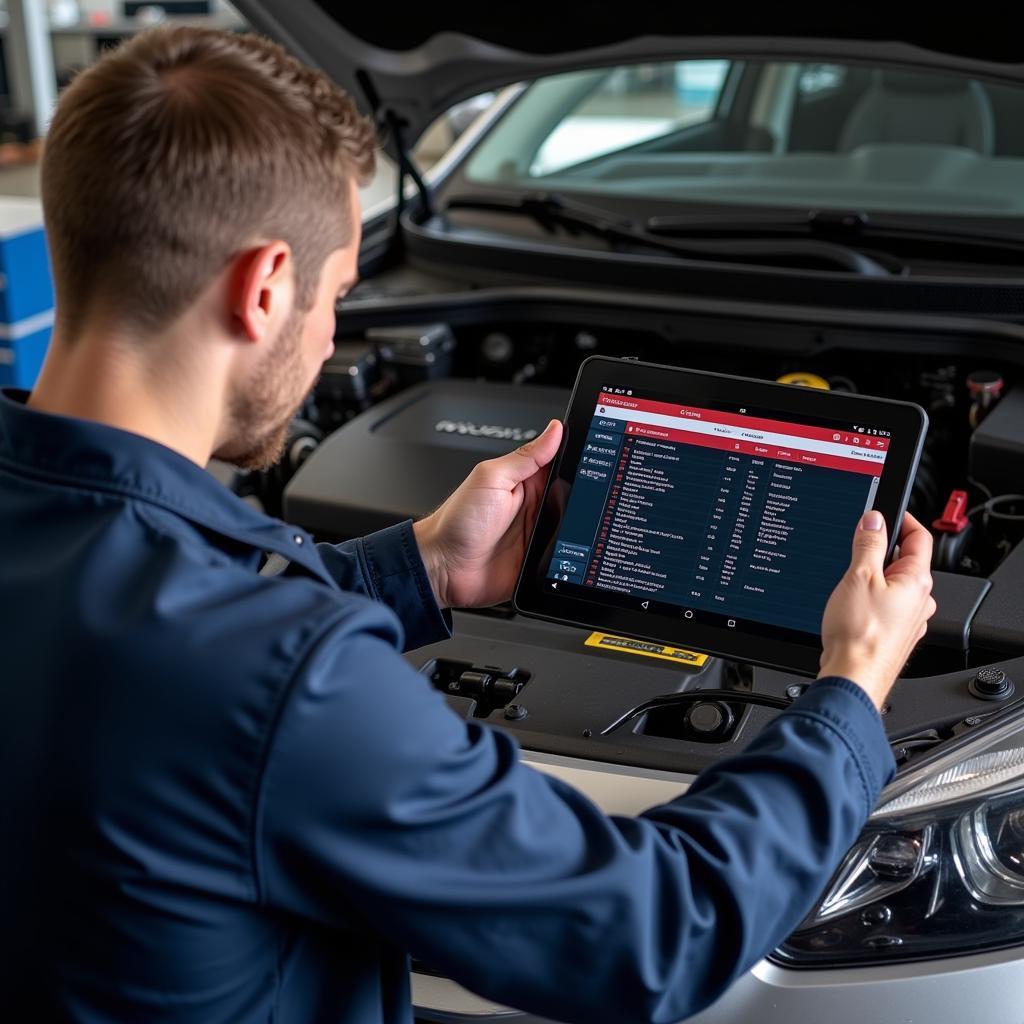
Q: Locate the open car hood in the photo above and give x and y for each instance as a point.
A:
(408, 64)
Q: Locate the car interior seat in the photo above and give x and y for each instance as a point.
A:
(913, 107)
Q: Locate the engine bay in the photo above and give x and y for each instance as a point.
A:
(419, 390)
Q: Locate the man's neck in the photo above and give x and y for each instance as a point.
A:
(128, 384)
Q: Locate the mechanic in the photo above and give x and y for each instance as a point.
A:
(225, 795)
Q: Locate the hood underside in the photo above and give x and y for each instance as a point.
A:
(415, 63)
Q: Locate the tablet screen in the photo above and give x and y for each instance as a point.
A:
(734, 516)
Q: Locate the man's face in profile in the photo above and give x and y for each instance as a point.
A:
(263, 405)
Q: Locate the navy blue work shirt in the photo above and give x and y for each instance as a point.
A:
(227, 797)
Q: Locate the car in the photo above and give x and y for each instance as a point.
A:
(837, 207)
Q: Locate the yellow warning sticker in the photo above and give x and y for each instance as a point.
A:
(646, 649)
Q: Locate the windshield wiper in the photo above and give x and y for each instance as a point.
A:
(853, 227)
(551, 211)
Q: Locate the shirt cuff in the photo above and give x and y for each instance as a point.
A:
(398, 578)
(844, 706)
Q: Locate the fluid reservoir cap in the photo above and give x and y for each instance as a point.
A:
(710, 717)
(985, 382)
(807, 380)
(991, 683)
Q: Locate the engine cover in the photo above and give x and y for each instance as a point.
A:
(997, 447)
(403, 457)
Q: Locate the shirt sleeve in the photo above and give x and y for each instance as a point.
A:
(387, 566)
(379, 808)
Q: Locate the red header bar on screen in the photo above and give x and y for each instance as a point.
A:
(880, 444)
(767, 451)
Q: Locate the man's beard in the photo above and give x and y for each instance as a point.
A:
(263, 408)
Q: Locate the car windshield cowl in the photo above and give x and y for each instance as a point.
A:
(552, 210)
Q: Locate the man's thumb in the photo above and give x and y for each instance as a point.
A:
(530, 457)
(869, 543)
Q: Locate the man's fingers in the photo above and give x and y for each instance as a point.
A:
(914, 562)
(510, 470)
(869, 544)
(915, 544)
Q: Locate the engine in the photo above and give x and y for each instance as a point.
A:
(401, 414)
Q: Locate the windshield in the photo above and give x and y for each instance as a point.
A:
(768, 133)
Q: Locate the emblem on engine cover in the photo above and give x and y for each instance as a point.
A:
(484, 430)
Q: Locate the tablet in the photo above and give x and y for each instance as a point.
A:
(710, 511)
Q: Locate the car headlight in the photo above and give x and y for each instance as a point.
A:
(937, 871)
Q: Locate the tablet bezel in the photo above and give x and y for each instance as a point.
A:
(794, 651)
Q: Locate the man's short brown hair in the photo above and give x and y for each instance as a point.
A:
(180, 149)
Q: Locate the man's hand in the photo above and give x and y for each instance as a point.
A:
(876, 615)
(473, 545)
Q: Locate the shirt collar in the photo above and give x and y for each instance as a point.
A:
(98, 457)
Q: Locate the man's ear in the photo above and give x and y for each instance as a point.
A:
(261, 290)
